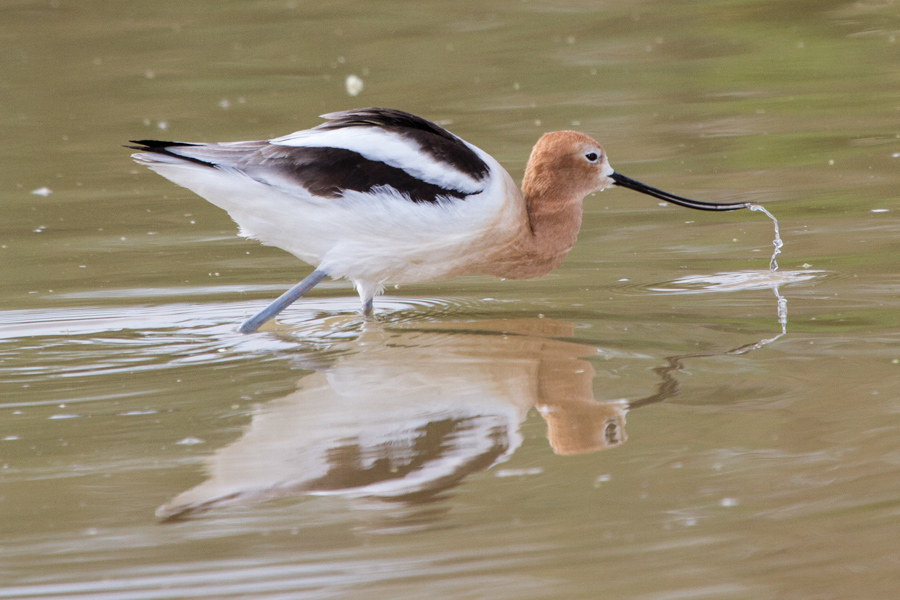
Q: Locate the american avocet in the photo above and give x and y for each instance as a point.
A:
(380, 196)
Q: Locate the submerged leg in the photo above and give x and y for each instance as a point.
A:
(367, 292)
(283, 301)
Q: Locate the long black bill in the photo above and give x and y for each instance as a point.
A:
(637, 186)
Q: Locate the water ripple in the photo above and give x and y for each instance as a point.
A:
(736, 281)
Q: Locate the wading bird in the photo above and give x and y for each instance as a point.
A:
(379, 196)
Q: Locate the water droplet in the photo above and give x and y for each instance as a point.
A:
(354, 85)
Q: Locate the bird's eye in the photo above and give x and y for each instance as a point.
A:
(591, 156)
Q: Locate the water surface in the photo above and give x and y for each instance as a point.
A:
(659, 418)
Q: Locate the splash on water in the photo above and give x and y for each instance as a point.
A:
(747, 280)
(735, 281)
(782, 320)
(742, 281)
(773, 264)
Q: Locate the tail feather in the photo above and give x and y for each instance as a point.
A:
(163, 148)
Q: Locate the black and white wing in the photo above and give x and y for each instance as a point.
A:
(367, 150)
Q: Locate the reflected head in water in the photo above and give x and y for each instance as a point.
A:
(582, 427)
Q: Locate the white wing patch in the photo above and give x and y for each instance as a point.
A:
(390, 148)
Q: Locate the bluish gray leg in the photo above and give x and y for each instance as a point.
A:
(283, 301)
(368, 305)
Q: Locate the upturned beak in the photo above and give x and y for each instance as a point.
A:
(637, 186)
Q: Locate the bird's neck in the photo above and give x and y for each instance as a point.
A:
(555, 222)
(554, 208)
(549, 226)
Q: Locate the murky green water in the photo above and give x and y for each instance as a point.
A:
(631, 426)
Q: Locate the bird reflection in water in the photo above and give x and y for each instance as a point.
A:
(406, 415)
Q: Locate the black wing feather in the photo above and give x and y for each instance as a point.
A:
(433, 139)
